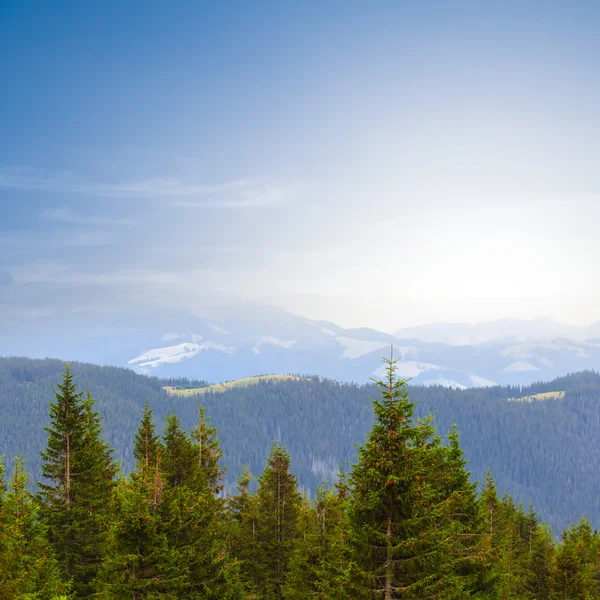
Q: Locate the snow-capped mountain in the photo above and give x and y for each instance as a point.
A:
(274, 341)
(224, 339)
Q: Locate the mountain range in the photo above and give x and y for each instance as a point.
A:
(225, 340)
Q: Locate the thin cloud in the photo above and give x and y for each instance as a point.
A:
(45, 181)
(258, 197)
(65, 215)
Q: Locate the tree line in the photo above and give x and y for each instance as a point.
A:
(404, 522)
(543, 452)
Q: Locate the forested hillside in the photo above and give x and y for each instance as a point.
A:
(404, 521)
(544, 451)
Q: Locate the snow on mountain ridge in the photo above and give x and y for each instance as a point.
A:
(174, 354)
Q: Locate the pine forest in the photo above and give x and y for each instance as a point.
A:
(404, 521)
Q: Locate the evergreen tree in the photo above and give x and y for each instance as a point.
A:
(277, 524)
(472, 551)
(79, 473)
(179, 462)
(209, 453)
(513, 543)
(574, 574)
(147, 442)
(139, 561)
(28, 567)
(243, 514)
(193, 518)
(401, 530)
(567, 576)
(540, 564)
(320, 558)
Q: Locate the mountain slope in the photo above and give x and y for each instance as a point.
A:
(544, 450)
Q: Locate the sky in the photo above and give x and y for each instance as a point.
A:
(379, 164)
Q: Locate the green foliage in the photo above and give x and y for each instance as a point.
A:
(146, 443)
(540, 452)
(575, 573)
(268, 526)
(406, 539)
(408, 522)
(320, 559)
(79, 473)
(28, 567)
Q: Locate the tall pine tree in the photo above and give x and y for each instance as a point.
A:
(79, 475)
(402, 532)
(279, 505)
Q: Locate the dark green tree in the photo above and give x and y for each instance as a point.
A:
(401, 528)
(79, 476)
(209, 453)
(471, 548)
(319, 562)
(279, 506)
(194, 518)
(147, 443)
(243, 515)
(139, 561)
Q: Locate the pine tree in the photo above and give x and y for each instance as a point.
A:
(147, 443)
(28, 567)
(401, 530)
(139, 561)
(209, 453)
(277, 524)
(567, 576)
(79, 472)
(472, 550)
(320, 558)
(512, 564)
(193, 518)
(179, 461)
(540, 564)
(574, 574)
(243, 515)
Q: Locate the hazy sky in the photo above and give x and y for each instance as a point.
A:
(376, 164)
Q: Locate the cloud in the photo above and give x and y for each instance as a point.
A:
(254, 196)
(65, 215)
(241, 193)
(26, 178)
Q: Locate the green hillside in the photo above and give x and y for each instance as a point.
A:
(545, 452)
(222, 387)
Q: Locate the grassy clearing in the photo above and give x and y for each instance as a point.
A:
(221, 387)
(538, 397)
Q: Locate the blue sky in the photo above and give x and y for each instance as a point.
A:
(379, 164)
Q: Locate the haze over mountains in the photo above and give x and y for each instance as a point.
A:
(461, 334)
(221, 340)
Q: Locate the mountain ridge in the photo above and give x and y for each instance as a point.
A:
(234, 339)
(544, 450)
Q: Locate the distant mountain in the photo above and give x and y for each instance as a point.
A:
(463, 334)
(274, 341)
(222, 339)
